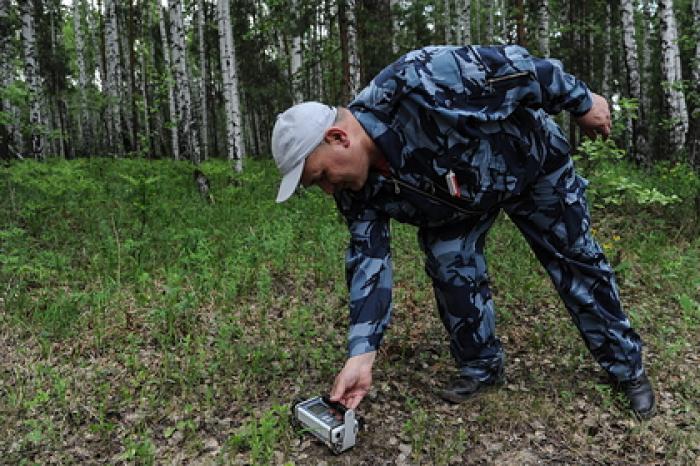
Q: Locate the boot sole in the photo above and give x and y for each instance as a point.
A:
(456, 398)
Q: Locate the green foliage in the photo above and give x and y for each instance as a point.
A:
(616, 184)
(261, 436)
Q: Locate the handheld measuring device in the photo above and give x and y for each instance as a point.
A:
(322, 417)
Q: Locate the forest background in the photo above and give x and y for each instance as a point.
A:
(143, 323)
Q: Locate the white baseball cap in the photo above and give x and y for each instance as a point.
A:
(297, 132)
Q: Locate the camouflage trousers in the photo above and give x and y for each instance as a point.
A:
(554, 218)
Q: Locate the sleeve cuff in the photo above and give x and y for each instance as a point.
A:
(360, 345)
(584, 106)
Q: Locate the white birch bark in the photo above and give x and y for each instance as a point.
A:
(629, 42)
(672, 75)
(296, 62)
(465, 23)
(448, 23)
(395, 6)
(113, 78)
(125, 104)
(489, 26)
(696, 63)
(477, 21)
(31, 74)
(505, 26)
(145, 72)
(236, 149)
(84, 123)
(177, 34)
(353, 52)
(55, 104)
(6, 75)
(543, 27)
(647, 45)
(607, 51)
(201, 15)
(172, 99)
(694, 127)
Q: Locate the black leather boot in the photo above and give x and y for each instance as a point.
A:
(640, 394)
(463, 387)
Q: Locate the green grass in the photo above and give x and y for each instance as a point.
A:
(141, 324)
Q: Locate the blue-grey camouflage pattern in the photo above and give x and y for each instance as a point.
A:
(483, 114)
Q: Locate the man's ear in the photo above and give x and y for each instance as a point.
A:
(336, 135)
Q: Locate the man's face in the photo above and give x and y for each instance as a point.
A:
(335, 165)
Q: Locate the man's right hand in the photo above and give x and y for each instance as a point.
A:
(597, 120)
(354, 381)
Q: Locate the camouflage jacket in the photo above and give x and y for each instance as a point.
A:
(474, 116)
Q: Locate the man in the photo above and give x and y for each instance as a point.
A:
(445, 138)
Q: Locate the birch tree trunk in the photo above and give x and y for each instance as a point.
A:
(694, 127)
(296, 60)
(639, 146)
(520, 22)
(31, 74)
(355, 79)
(203, 78)
(145, 74)
(172, 102)
(84, 124)
(448, 23)
(395, 6)
(607, 51)
(6, 75)
(465, 23)
(489, 25)
(543, 27)
(647, 64)
(113, 81)
(184, 97)
(236, 150)
(126, 102)
(672, 75)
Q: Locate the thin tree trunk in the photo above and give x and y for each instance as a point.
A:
(395, 6)
(203, 78)
(694, 124)
(647, 63)
(465, 23)
(543, 27)
(672, 75)
(229, 71)
(639, 146)
(31, 73)
(177, 34)
(6, 75)
(113, 84)
(145, 73)
(520, 22)
(477, 21)
(489, 25)
(85, 125)
(130, 70)
(296, 60)
(354, 77)
(172, 102)
(607, 53)
(505, 29)
(448, 23)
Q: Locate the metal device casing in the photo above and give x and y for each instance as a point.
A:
(318, 417)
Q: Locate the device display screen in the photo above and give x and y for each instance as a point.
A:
(324, 413)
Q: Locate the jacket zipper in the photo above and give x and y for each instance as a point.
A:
(440, 200)
(507, 77)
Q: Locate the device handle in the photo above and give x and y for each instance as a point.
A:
(336, 405)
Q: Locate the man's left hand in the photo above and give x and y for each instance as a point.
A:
(597, 120)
